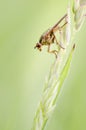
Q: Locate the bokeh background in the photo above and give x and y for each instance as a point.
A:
(23, 69)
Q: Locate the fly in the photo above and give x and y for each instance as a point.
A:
(48, 38)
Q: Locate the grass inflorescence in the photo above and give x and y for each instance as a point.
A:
(60, 67)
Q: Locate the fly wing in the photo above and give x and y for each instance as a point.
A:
(55, 27)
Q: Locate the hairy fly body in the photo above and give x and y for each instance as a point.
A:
(48, 38)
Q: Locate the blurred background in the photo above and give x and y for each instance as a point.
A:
(23, 69)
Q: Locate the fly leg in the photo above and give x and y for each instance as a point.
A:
(61, 35)
(63, 25)
(58, 42)
(55, 52)
(59, 29)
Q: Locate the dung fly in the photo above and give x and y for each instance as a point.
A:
(49, 37)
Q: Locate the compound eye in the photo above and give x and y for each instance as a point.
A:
(38, 45)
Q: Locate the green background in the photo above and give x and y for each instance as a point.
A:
(23, 69)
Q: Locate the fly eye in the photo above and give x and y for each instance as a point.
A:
(38, 45)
